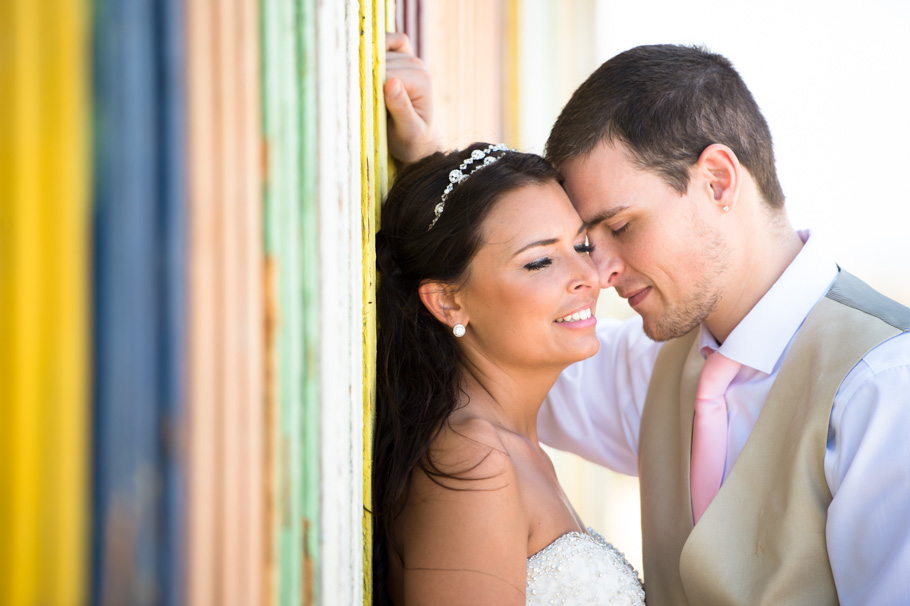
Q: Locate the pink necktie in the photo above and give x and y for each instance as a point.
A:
(709, 432)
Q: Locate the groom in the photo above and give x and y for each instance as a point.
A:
(763, 394)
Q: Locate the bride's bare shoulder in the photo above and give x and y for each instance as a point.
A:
(470, 449)
(463, 536)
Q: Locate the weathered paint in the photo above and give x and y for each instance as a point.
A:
(341, 302)
(282, 132)
(372, 16)
(44, 175)
(202, 341)
(226, 539)
(139, 289)
(309, 248)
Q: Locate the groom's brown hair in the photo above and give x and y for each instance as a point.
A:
(666, 104)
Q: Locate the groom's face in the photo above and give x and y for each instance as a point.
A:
(652, 243)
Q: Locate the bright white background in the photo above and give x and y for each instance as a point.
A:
(833, 81)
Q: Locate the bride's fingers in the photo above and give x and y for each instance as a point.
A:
(405, 119)
(414, 79)
(398, 42)
(409, 100)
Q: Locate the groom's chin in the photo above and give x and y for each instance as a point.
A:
(664, 329)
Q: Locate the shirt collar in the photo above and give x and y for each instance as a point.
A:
(761, 338)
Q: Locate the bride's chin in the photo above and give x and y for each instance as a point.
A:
(580, 354)
(591, 350)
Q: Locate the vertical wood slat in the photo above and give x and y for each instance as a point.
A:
(203, 346)
(172, 259)
(229, 574)
(226, 542)
(282, 128)
(340, 108)
(370, 183)
(409, 19)
(229, 441)
(375, 185)
(309, 247)
(467, 75)
(126, 508)
(252, 313)
(512, 81)
(44, 275)
(139, 293)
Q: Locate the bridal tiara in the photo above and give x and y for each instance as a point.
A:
(461, 173)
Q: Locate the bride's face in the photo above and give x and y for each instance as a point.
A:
(532, 286)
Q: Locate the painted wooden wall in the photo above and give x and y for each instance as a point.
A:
(138, 302)
(290, 276)
(189, 193)
(44, 298)
(193, 193)
(225, 429)
(465, 46)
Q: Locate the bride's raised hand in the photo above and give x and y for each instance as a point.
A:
(408, 93)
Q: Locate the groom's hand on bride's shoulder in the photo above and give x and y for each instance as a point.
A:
(409, 99)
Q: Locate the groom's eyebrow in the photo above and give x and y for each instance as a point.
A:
(606, 215)
(546, 242)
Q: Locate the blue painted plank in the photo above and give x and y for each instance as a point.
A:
(138, 287)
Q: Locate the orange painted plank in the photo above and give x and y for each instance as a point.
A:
(227, 292)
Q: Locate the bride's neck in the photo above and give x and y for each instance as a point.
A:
(511, 397)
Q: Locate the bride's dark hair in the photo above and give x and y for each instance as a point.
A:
(418, 372)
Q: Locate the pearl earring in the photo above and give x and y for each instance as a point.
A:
(458, 330)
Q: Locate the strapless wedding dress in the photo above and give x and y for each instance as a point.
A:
(582, 568)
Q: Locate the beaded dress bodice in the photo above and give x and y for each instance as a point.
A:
(582, 568)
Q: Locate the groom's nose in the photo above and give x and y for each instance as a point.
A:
(607, 261)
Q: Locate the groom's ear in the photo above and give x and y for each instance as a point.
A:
(722, 172)
(441, 299)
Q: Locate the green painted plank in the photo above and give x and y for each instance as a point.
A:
(309, 245)
(283, 186)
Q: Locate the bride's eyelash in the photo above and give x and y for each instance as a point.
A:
(584, 248)
(539, 264)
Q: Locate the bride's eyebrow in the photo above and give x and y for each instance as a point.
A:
(546, 242)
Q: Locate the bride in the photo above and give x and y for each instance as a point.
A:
(486, 293)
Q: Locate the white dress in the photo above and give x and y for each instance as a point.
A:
(582, 568)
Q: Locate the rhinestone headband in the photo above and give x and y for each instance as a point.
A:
(461, 173)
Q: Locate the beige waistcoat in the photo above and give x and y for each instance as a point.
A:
(762, 539)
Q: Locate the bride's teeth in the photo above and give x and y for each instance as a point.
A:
(578, 315)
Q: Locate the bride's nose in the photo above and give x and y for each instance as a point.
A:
(584, 275)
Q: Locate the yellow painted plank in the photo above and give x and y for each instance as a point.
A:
(512, 50)
(375, 20)
(44, 154)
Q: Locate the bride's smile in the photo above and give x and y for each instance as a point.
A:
(576, 318)
(531, 279)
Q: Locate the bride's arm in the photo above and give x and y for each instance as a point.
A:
(465, 541)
